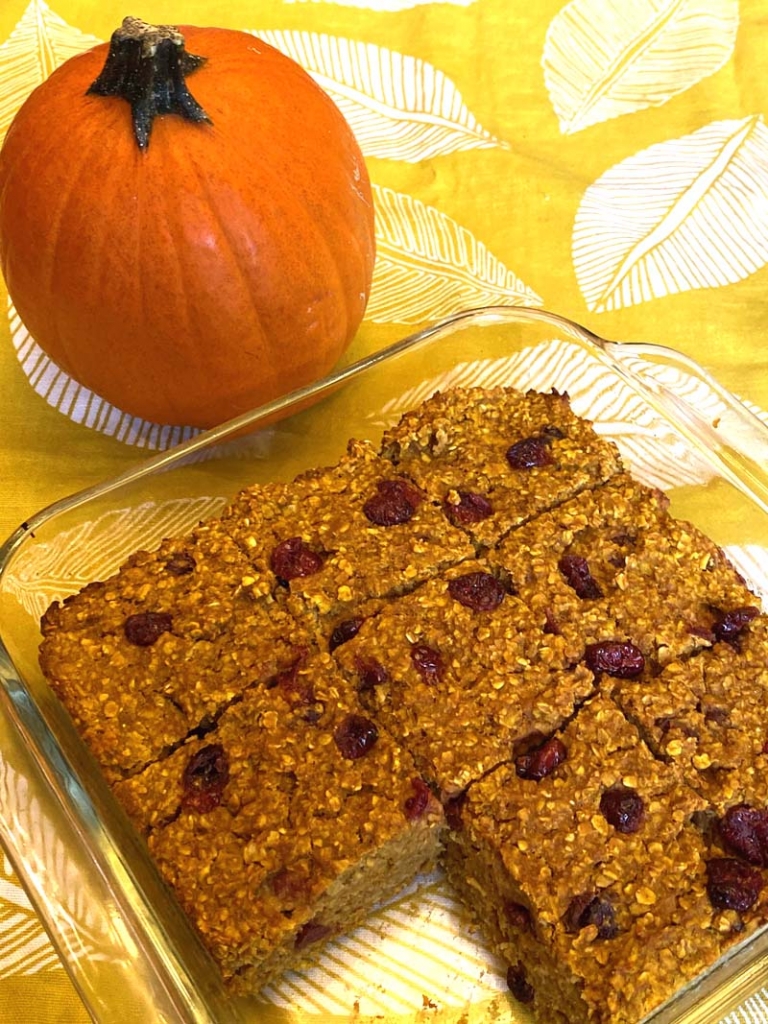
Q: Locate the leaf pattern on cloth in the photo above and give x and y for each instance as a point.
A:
(24, 945)
(428, 266)
(39, 43)
(399, 107)
(384, 5)
(95, 549)
(605, 58)
(683, 214)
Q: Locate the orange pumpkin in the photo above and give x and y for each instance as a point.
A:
(203, 261)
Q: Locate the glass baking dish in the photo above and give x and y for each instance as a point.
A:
(126, 945)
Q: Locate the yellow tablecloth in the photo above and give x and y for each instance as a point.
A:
(605, 159)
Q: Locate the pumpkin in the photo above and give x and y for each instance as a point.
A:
(186, 223)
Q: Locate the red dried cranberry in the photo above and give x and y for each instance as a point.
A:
(542, 761)
(355, 735)
(518, 915)
(471, 508)
(428, 662)
(345, 631)
(205, 776)
(732, 885)
(370, 673)
(575, 569)
(745, 830)
(394, 503)
(180, 564)
(518, 984)
(729, 625)
(289, 885)
(294, 558)
(551, 624)
(312, 931)
(624, 808)
(417, 804)
(297, 689)
(528, 453)
(591, 909)
(144, 628)
(480, 591)
(618, 658)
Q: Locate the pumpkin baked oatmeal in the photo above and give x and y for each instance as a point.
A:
(286, 823)
(584, 861)
(487, 621)
(497, 457)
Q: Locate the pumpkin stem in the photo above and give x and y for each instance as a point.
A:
(146, 65)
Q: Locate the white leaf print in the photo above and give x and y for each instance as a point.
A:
(683, 214)
(605, 58)
(384, 5)
(40, 42)
(399, 107)
(428, 266)
(25, 946)
(94, 549)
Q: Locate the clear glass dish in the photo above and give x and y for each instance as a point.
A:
(127, 947)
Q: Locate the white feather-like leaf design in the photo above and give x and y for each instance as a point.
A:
(428, 265)
(37, 45)
(96, 548)
(384, 5)
(399, 107)
(686, 213)
(24, 945)
(606, 58)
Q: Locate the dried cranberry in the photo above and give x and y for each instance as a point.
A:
(731, 884)
(205, 776)
(745, 830)
(529, 453)
(518, 984)
(394, 503)
(591, 909)
(519, 916)
(294, 558)
(181, 564)
(144, 628)
(624, 808)
(428, 662)
(575, 569)
(551, 625)
(370, 673)
(355, 735)
(618, 658)
(552, 432)
(480, 591)
(417, 804)
(720, 716)
(471, 508)
(312, 931)
(296, 688)
(289, 885)
(345, 631)
(729, 625)
(542, 761)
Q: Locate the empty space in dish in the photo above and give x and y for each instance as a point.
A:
(123, 941)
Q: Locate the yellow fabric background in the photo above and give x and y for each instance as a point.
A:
(520, 201)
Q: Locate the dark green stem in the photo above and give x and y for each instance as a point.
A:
(147, 65)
